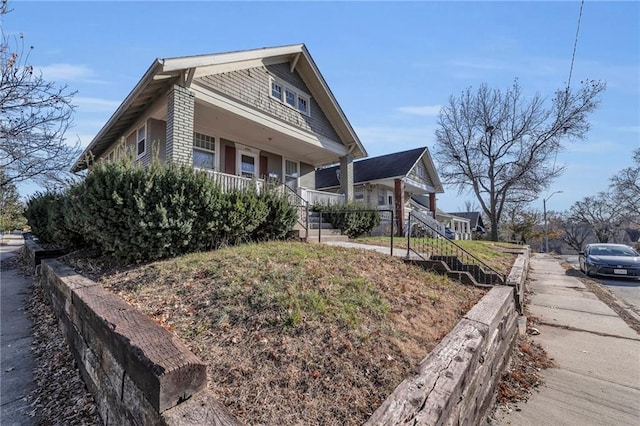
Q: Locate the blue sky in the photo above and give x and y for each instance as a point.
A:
(391, 65)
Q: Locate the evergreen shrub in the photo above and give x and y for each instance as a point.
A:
(353, 219)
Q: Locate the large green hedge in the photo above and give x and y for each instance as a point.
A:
(136, 214)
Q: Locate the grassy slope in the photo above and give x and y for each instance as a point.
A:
(299, 333)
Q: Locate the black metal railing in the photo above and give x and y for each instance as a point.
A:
(429, 244)
(302, 207)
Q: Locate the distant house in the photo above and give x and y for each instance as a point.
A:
(476, 223)
(389, 182)
(242, 116)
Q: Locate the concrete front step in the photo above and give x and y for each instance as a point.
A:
(324, 238)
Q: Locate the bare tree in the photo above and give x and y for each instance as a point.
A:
(503, 147)
(625, 186)
(602, 213)
(522, 223)
(34, 116)
(576, 234)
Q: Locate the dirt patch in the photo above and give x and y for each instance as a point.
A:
(296, 333)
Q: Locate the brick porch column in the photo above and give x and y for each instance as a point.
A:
(432, 204)
(346, 177)
(399, 199)
(180, 111)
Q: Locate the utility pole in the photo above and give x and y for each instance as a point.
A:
(546, 230)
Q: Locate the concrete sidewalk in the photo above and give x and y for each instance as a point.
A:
(16, 363)
(597, 378)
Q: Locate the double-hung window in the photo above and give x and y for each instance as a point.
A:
(290, 96)
(291, 173)
(204, 151)
(141, 141)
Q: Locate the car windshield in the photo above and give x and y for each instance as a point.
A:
(613, 251)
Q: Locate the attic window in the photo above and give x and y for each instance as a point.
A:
(290, 96)
(421, 171)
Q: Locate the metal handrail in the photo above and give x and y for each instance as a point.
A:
(300, 203)
(362, 211)
(439, 247)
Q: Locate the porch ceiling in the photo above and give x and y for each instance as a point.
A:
(267, 136)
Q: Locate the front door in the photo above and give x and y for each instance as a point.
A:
(248, 164)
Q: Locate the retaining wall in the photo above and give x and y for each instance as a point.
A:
(456, 382)
(141, 374)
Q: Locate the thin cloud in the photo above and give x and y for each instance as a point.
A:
(68, 72)
(424, 111)
(86, 104)
(381, 140)
(593, 147)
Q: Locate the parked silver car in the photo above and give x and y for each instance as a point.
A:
(612, 260)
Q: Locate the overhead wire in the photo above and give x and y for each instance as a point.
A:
(575, 45)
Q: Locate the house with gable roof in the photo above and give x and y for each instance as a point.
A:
(242, 116)
(389, 182)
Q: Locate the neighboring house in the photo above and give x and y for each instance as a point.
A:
(461, 226)
(476, 223)
(389, 182)
(242, 116)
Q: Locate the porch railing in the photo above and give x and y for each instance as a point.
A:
(425, 216)
(430, 244)
(232, 182)
(319, 197)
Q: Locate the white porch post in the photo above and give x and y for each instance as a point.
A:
(346, 177)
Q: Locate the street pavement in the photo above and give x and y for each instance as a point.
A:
(16, 363)
(597, 377)
(626, 290)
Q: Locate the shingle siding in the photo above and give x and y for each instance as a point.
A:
(252, 87)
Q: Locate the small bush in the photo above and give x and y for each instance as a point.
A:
(353, 219)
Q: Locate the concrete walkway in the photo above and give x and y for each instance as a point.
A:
(597, 378)
(397, 252)
(16, 363)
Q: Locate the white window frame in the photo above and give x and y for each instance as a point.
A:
(284, 170)
(216, 160)
(255, 156)
(143, 140)
(298, 95)
(358, 193)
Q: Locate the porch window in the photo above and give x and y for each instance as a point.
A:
(290, 96)
(141, 141)
(381, 197)
(204, 151)
(291, 173)
(358, 194)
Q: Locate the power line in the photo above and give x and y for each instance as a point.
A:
(575, 45)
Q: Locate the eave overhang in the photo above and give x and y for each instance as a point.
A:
(164, 73)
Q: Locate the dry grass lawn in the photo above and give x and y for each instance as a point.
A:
(296, 333)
